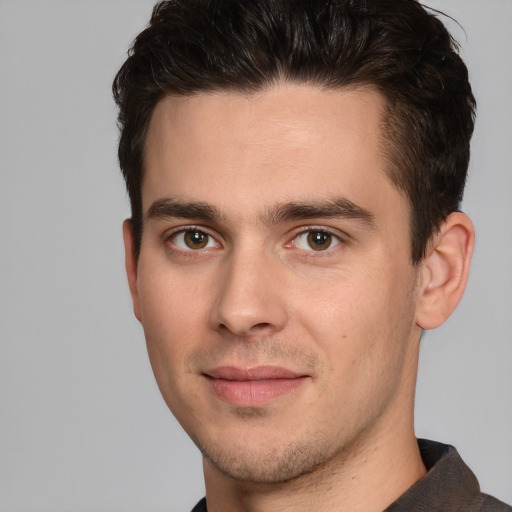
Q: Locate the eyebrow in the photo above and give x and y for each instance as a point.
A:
(168, 208)
(331, 209)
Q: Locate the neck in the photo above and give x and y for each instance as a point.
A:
(367, 477)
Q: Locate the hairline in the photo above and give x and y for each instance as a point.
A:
(387, 145)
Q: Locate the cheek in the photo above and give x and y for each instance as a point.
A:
(362, 333)
(361, 318)
(171, 302)
(174, 320)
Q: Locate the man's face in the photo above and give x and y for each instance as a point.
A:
(274, 282)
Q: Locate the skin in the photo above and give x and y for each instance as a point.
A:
(250, 290)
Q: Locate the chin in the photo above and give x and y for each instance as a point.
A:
(269, 466)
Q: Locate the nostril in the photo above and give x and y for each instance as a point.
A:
(240, 330)
(262, 325)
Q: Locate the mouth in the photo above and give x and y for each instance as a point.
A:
(253, 387)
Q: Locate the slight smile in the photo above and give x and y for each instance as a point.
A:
(253, 387)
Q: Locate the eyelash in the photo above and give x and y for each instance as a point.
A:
(312, 253)
(337, 239)
(169, 239)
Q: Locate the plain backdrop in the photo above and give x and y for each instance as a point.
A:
(82, 424)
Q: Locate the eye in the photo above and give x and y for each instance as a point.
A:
(193, 239)
(316, 240)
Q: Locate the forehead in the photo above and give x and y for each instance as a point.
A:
(288, 143)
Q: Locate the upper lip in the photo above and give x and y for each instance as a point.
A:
(252, 373)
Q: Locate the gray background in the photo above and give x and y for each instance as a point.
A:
(82, 425)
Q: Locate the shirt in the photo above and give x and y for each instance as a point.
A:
(448, 486)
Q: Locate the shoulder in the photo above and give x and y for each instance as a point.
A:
(490, 504)
(200, 507)
(448, 486)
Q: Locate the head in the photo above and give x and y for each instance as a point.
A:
(294, 170)
(395, 46)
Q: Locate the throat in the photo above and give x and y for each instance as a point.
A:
(364, 480)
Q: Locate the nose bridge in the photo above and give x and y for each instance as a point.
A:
(250, 299)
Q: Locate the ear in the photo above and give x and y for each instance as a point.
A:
(445, 271)
(131, 265)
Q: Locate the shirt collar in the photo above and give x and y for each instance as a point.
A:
(449, 484)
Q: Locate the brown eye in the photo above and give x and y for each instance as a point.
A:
(316, 240)
(319, 240)
(195, 239)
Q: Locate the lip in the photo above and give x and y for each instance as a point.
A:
(253, 387)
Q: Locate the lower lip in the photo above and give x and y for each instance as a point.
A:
(253, 393)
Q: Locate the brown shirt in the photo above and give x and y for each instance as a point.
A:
(448, 486)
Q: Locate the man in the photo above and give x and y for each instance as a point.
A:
(295, 171)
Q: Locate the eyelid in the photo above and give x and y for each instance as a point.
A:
(340, 236)
(173, 232)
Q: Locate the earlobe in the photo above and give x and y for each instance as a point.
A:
(445, 271)
(131, 265)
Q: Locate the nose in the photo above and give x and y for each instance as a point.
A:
(250, 299)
